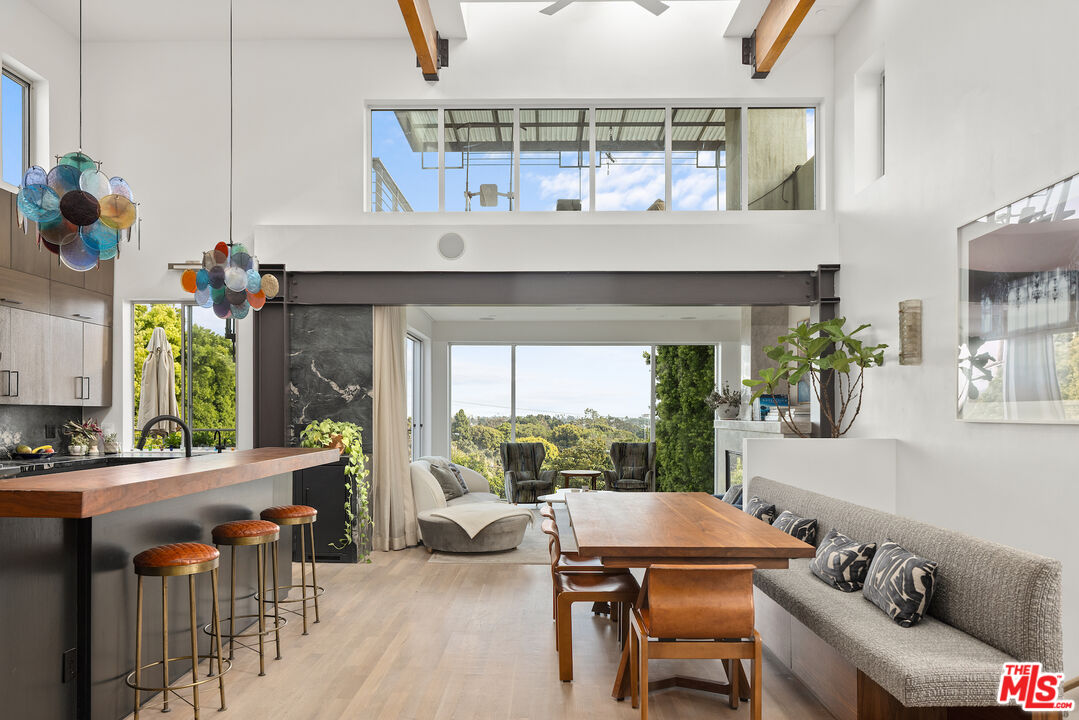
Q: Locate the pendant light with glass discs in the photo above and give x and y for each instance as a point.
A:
(81, 213)
(229, 279)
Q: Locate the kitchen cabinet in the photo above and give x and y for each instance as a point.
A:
(23, 291)
(58, 272)
(97, 365)
(100, 279)
(71, 302)
(25, 350)
(66, 381)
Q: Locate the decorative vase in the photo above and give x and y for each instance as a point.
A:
(730, 412)
(337, 441)
(76, 449)
(93, 449)
(112, 448)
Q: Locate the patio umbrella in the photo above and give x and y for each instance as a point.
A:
(158, 393)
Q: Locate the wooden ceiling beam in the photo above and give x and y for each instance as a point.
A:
(432, 52)
(776, 28)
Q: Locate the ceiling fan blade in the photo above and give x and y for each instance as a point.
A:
(555, 7)
(656, 7)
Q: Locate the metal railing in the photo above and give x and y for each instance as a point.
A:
(385, 195)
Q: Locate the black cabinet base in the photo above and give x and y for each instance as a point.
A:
(323, 488)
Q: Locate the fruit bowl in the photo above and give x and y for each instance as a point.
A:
(30, 455)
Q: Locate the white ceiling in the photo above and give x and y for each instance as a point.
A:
(112, 20)
(824, 18)
(588, 313)
(106, 20)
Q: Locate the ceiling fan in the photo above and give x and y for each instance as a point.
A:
(653, 6)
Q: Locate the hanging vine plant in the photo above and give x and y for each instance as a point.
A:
(348, 438)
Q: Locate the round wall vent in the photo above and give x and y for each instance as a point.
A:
(451, 246)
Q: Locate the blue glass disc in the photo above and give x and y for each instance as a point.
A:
(63, 179)
(78, 160)
(77, 256)
(35, 175)
(98, 236)
(39, 203)
(202, 279)
(254, 281)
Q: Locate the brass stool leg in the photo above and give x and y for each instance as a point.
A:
(276, 614)
(217, 636)
(232, 605)
(262, 616)
(165, 639)
(194, 646)
(314, 574)
(303, 579)
(138, 645)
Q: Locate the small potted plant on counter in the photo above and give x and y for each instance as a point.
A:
(112, 445)
(727, 401)
(84, 436)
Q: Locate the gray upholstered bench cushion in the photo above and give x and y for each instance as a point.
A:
(474, 497)
(930, 664)
(439, 533)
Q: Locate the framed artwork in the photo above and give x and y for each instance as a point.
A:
(1018, 351)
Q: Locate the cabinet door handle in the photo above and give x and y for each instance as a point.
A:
(16, 393)
(7, 384)
(10, 301)
(78, 388)
(80, 316)
(86, 395)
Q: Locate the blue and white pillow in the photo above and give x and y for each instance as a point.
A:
(900, 583)
(841, 562)
(761, 510)
(804, 529)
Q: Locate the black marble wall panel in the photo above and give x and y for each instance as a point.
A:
(330, 366)
(25, 425)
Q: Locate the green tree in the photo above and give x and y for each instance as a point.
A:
(459, 427)
(591, 453)
(566, 436)
(213, 382)
(146, 318)
(549, 448)
(487, 439)
(685, 434)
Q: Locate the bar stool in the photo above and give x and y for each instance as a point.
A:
(167, 561)
(298, 515)
(260, 534)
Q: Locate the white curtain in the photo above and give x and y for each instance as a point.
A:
(394, 507)
(157, 394)
(1031, 386)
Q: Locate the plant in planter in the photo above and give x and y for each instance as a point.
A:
(727, 401)
(348, 438)
(112, 445)
(84, 436)
(810, 350)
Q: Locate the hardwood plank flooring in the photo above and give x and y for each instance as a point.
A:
(404, 638)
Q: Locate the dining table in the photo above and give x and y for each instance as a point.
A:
(638, 530)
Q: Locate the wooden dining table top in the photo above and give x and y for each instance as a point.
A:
(641, 529)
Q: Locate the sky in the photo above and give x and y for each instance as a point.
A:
(633, 182)
(11, 130)
(552, 380)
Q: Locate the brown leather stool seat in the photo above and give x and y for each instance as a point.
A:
(290, 514)
(246, 532)
(187, 558)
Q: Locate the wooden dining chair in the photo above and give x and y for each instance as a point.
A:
(582, 579)
(696, 612)
(547, 511)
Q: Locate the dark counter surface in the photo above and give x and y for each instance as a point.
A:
(57, 462)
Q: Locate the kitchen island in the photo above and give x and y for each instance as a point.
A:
(67, 590)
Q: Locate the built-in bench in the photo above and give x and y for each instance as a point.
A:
(992, 604)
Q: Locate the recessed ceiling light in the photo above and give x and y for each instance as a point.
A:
(821, 11)
(689, 317)
(488, 317)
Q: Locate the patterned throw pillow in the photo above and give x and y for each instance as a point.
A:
(761, 510)
(900, 583)
(460, 478)
(842, 562)
(733, 494)
(804, 529)
(448, 481)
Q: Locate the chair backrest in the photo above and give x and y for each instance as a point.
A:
(699, 601)
(549, 527)
(519, 457)
(547, 511)
(638, 454)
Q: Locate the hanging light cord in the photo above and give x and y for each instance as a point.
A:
(80, 75)
(231, 123)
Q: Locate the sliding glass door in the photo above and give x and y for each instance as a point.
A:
(414, 382)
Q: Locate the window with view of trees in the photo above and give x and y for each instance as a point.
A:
(578, 399)
(203, 350)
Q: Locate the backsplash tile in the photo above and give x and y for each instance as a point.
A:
(25, 425)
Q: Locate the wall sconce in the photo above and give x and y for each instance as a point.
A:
(910, 332)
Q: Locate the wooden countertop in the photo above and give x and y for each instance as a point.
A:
(86, 493)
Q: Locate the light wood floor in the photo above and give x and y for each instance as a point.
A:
(404, 638)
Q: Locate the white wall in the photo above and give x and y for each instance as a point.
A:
(300, 118)
(980, 112)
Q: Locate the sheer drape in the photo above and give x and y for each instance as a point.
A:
(1031, 386)
(394, 508)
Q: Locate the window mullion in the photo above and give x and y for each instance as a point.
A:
(668, 148)
(441, 159)
(513, 393)
(592, 159)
